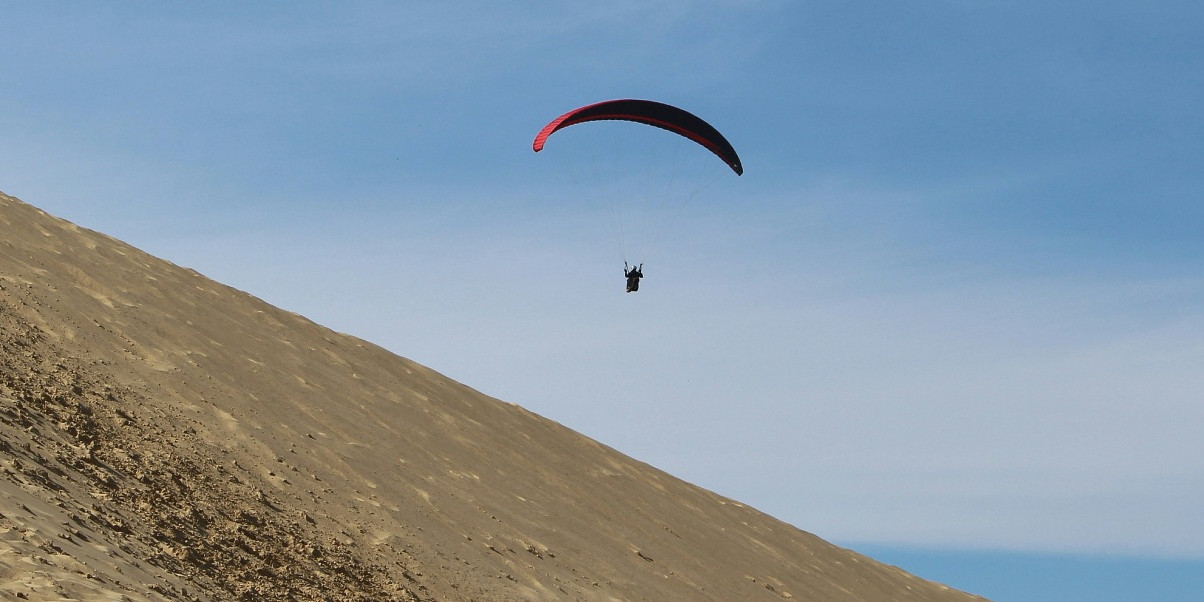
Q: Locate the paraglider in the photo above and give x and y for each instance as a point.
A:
(652, 113)
(633, 276)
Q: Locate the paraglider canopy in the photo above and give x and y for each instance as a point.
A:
(650, 112)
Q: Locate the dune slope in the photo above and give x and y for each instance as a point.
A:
(163, 436)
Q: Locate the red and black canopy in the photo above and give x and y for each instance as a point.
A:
(649, 112)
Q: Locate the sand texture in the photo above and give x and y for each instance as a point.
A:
(165, 437)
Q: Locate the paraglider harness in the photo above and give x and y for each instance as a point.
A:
(633, 276)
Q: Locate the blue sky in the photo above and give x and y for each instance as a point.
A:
(955, 302)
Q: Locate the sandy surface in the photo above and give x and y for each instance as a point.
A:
(163, 436)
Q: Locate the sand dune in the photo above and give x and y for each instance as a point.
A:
(163, 436)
